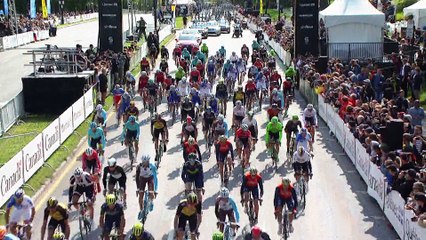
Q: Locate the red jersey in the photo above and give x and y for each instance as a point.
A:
(225, 147)
(250, 86)
(168, 82)
(200, 67)
(273, 112)
(188, 148)
(184, 64)
(195, 76)
(241, 134)
(159, 77)
(177, 51)
(93, 157)
(252, 181)
(287, 84)
(144, 63)
(285, 194)
(275, 77)
(194, 50)
(143, 81)
(258, 64)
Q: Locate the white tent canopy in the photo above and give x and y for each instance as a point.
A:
(418, 10)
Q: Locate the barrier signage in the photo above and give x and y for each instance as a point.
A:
(412, 230)
(340, 134)
(1, 44)
(350, 145)
(394, 211)
(322, 112)
(362, 161)
(329, 118)
(78, 112)
(65, 121)
(88, 102)
(376, 185)
(110, 25)
(33, 156)
(51, 138)
(11, 177)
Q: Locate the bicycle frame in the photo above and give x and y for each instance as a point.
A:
(285, 222)
(83, 219)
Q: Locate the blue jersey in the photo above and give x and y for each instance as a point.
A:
(118, 91)
(125, 103)
(27, 203)
(196, 99)
(128, 126)
(173, 97)
(211, 67)
(214, 105)
(98, 134)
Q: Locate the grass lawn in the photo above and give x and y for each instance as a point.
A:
(179, 22)
(423, 99)
(59, 156)
(274, 13)
(75, 23)
(33, 125)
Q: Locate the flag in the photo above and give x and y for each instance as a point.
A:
(44, 8)
(33, 13)
(6, 7)
(261, 6)
(49, 10)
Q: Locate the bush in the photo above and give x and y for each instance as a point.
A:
(401, 4)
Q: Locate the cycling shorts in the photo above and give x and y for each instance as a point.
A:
(289, 202)
(195, 178)
(131, 135)
(192, 220)
(239, 118)
(310, 120)
(53, 224)
(301, 166)
(121, 182)
(157, 133)
(274, 137)
(222, 95)
(91, 166)
(252, 131)
(254, 191)
(94, 142)
(144, 181)
(88, 190)
(207, 124)
(20, 214)
(110, 223)
(223, 213)
(221, 157)
(243, 142)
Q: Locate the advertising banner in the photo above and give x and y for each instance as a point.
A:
(44, 9)
(339, 124)
(394, 211)
(51, 139)
(306, 24)
(11, 177)
(362, 161)
(78, 112)
(350, 144)
(322, 108)
(33, 156)
(65, 121)
(33, 13)
(329, 119)
(6, 7)
(88, 103)
(412, 230)
(110, 25)
(376, 185)
(49, 9)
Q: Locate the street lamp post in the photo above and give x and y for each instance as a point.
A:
(61, 5)
(155, 14)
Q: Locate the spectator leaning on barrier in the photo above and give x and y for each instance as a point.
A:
(103, 85)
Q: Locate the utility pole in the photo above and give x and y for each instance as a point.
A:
(61, 5)
(13, 18)
(155, 14)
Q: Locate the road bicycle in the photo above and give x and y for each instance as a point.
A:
(210, 140)
(228, 229)
(222, 106)
(250, 210)
(292, 145)
(21, 230)
(273, 152)
(301, 188)
(285, 222)
(160, 152)
(147, 206)
(84, 222)
(114, 235)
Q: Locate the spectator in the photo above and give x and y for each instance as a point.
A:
(417, 113)
(417, 83)
(103, 85)
(404, 183)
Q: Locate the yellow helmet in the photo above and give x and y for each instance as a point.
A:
(58, 236)
(110, 199)
(52, 202)
(138, 229)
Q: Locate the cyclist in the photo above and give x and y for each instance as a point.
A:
(208, 119)
(130, 80)
(273, 111)
(124, 104)
(287, 86)
(274, 134)
(153, 89)
(183, 87)
(213, 103)
(59, 214)
(146, 174)
(310, 119)
(139, 233)
(233, 58)
(245, 51)
(100, 116)
(145, 66)
(259, 64)
(130, 135)
(205, 91)
(159, 78)
(241, 68)
(117, 92)
(304, 139)
(277, 98)
(177, 54)
(173, 99)
(255, 45)
(189, 128)
(256, 234)
(302, 161)
(92, 164)
(220, 127)
(112, 215)
(225, 206)
(239, 112)
(252, 126)
(239, 95)
(211, 70)
(224, 151)
(132, 110)
(164, 52)
(186, 55)
(188, 210)
(205, 49)
(143, 82)
(253, 71)
(115, 174)
(153, 53)
(196, 100)
(232, 76)
(222, 52)
(201, 56)
(252, 182)
(243, 139)
(23, 210)
(81, 183)
(292, 127)
(226, 68)
(190, 146)
(261, 82)
(179, 74)
(275, 80)
(201, 68)
(285, 194)
(195, 76)
(192, 174)
(194, 62)
(187, 108)
(222, 94)
(159, 126)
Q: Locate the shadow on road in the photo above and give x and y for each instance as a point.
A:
(174, 201)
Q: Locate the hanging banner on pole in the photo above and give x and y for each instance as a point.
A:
(261, 6)
(49, 10)
(44, 9)
(33, 13)
(6, 7)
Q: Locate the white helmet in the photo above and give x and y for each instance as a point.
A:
(112, 162)
(238, 103)
(145, 158)
(220, 117)
(99, 107)
(78, 172)
(224, 193)
(310, 106)
(89, 151)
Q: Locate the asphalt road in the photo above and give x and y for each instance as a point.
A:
(338, 206)
(12, 61)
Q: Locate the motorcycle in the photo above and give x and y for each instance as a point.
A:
(237, 32)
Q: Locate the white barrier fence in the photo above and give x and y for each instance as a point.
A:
(79, 18)
(31, 158)
(13, 41)
(10, 112)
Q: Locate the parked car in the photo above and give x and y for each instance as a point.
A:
(188, 41)
(202, 29)
(213, 28)
(225, 27)
(191, 31)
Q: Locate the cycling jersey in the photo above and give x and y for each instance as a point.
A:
(81, 185)
(97, 137)
(291, 126)
(159, 77)
(92, 159)
(187, 106)
(252, 181)
(112, 213)
(241, 134)
(239, 111)
(282, 195)
(205, 90)
(214, 105)
(201, 57)
(177, 51)
(152, 88)
(60, 213)
(195, 76)
(233, 58)
(130, 78)
(273, 112)
(179, 74)
(21, 211)
(143, 81)
(221, 91)
(227, 204)
(272, 129)
(196, 99)
(189, 127)
(147, 172)
(310, 116)
(190, 170)
(184, 209)
(223, 149)
(186, 54)
(211, 67)
(303, 141)
(117, 93)
(278, 98)
(183, 88)
(173, 97)
(144, 64)
(101, 117)
(306, 157)
(209, 117)
(222, 52)
(117, 174)
(131, 129)
(190, 148)
(221, 128)
(158, 124)
(258, 64)
(250, 123)
(84, 181)
(132, 111)
(239, 95)
(250, 86)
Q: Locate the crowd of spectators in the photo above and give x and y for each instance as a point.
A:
(367, 101)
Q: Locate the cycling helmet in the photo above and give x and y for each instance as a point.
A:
(99, 107)
(191, 140)
(172, 87)
(183, 79)
(285, 181)
(274, 120)
(240, 88)
(151, 81)
(274, 91)
(78, 172)
(52, 202)
(132, 103)
(221, 81)
(138, 229)
(93, 125)
(220, 117)
(295, 117)
(274, 105)
(19, 193)
(310, 106)
(158, 71)
(223, 138)
(217, 236)
(303, 130)
(128, 74)
(300, 150)
(189, 119)
(132, 119)
(58, 236)
(192, 156)
(192, 197)
(238, 103)
(250, 114)
(244, 127)
(209, 109)
(224, 193)
(110, 199)
(194, 69)
(253, 171)
(112, 162)
(256, 231)
(143, 73)
(145, 158)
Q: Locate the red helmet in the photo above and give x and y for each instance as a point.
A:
(189, 119)
(255, 231)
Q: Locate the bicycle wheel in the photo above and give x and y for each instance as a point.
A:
(82, 227)
(251, 212)
(131, 155)
(225, 174)
(286, 224)
(226, 232)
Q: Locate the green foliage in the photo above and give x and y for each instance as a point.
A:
(401, 4)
